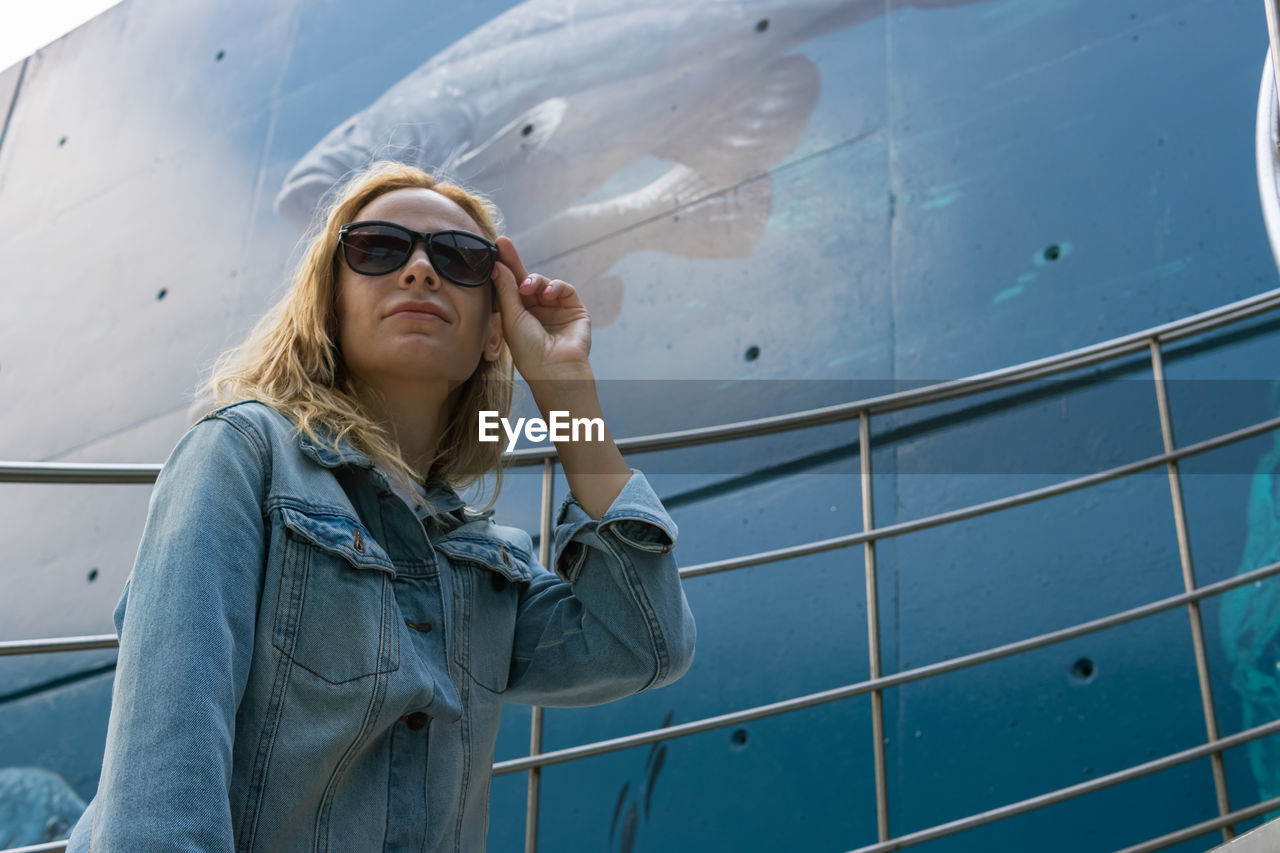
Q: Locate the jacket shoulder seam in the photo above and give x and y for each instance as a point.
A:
(250, 431)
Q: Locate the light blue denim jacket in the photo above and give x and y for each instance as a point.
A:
(301, 668)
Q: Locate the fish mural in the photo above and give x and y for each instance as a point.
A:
(1249, 621)
(626, 812)
(36, 806)
(547, 103)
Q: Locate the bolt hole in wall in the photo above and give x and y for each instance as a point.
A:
(221, 54)
(762, 25)
(1053, 253)
(164, 291)
(753, 352)
(1082, 671)
(62, 142)
(93, 575)
(738, 740)
(526, 130)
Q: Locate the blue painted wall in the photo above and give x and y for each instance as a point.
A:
(945, 188)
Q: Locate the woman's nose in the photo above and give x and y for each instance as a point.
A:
(418, 270)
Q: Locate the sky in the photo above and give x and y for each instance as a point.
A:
(28, 25)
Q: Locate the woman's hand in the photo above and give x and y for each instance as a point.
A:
(544, 322)
(548, 330)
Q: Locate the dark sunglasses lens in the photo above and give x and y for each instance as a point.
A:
(375, 249)
(462, 258)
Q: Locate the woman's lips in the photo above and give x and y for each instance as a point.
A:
(420, 315)
(419, 309)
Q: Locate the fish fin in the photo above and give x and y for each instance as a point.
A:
(515, 140)
(630, 824)
(682, 213)
(617, 809)
(707, 222)
(653, 778)
(753, 127)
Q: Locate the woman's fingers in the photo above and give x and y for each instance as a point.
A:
(531, 286)
(510, 300)
(533, 290)
(556, 291)
(540, 290)
(508, 255)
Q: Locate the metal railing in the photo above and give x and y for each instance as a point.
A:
(1150, 340)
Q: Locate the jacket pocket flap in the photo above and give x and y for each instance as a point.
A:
(501, 557)
(342, 535)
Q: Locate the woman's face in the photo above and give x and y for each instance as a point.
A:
(386, 327)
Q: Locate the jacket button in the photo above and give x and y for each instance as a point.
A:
(416, 721)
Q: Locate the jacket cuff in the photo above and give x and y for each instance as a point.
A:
(636, 518)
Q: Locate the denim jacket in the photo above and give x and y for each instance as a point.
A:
(305, 665)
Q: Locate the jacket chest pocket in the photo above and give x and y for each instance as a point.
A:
(335, 616)
(488, 579)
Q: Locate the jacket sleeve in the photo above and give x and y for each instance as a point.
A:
(186, 624)
(613, 619)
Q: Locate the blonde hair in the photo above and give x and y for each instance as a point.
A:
(291, 360)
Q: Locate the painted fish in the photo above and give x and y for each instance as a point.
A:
(544, 104)
(1249, 621)
(36, 806)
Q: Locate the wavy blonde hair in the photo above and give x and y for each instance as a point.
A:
(291, 360)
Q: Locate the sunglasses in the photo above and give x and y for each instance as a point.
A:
(377, 248)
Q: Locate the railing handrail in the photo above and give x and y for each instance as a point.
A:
(121, 473)
(919, 673)
(965, 513)
(1130, 773)
(58, 644)
(860, 688)
(78, 472)
(817, 546)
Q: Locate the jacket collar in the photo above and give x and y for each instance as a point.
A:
(331, 456)
(440, 494)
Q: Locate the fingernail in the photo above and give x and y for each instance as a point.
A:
(528, 282)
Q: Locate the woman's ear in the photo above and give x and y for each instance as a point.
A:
(493, 341)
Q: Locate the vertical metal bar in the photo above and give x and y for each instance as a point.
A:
(1273, 32)
(1189, 581)
(535, 721)
(873, 626)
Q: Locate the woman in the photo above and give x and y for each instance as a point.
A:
(317, 636)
